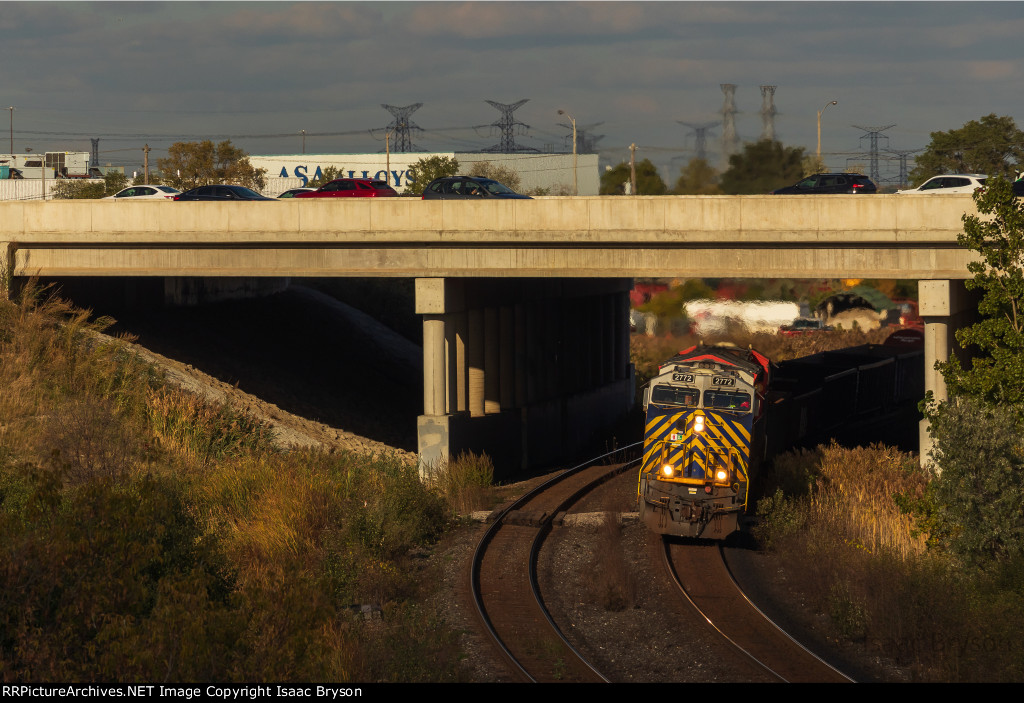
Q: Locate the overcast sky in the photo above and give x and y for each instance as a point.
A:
(157, 72)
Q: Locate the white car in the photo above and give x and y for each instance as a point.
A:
(134, 193)
(949, 183)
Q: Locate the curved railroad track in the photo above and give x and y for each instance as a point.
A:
(700, 572)
(503, 578)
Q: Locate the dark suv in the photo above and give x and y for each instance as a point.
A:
(820, 183)
(457, 187)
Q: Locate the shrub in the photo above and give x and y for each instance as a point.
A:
(465, 483)
(979, 483)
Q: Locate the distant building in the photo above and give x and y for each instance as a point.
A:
(552, 172)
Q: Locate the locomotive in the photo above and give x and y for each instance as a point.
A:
(704, 439)
(715, 413)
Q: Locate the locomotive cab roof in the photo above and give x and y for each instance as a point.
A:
(749, 360)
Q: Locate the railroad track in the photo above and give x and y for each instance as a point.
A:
(700, 571)
(503, 578)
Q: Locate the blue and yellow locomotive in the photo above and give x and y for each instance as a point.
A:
(703, 440)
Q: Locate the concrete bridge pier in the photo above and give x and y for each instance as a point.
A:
(945, 306)
(528, 371)
(6, 270)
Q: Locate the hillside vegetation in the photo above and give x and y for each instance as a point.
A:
(149, 536)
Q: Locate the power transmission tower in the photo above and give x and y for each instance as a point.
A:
(873, 133)
(402, 126)
(902, 154)
(585, 142)
(94, 156)
(729, 139)
(507, 125)
(700, 131)
(768, 112)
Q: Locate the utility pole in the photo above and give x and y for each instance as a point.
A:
(303, 140)
(12, 129)
(632, 169)
(145, 164)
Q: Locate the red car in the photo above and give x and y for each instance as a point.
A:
(351, 188)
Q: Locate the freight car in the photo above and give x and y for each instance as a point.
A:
(715, 413)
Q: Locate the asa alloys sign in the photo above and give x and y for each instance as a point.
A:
(395, 171)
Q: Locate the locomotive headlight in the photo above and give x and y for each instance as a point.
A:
(698, 423)
(667, 470)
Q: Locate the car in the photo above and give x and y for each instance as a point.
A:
(804, 325)
(827, 183)
(352, 188)
(908, 313)
(221, 193)
(292, 192)
(948, 183)
(1018, 185)
(134, 193)
(459, 187)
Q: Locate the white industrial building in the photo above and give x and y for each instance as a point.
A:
(551, 172)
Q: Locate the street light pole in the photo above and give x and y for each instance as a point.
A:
(303, 141)
(834, 102)
(12, 129)
(575, 180)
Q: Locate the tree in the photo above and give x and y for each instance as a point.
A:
(993, 146)
(192, 164)
(997, 374)
(697, 178)
(762, 167)
(326, 176)
(426, 170)
(977, 500)
(975, 505)
(648, 182)
(67, 189)
(503, 174)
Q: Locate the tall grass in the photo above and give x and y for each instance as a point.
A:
(833, 516)
(149, 536)
(466, 482)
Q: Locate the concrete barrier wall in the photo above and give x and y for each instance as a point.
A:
(850, 219)
(881, 236)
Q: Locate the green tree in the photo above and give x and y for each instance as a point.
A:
(996, 375)
(192, 164)
(975, 505)
(503, 174)
(762, 167)
(426, 170)
(69, 189)
(993, 146)
(697, 178)
(648, 181)
(326, 176)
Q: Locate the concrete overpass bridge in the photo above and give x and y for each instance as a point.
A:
(524, 303)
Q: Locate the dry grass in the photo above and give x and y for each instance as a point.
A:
(150, 535)
(466, 484)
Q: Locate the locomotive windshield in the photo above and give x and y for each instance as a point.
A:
(672, 395)
(727, 400)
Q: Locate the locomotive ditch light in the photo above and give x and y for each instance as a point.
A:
(667, 470)
(721, 475)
